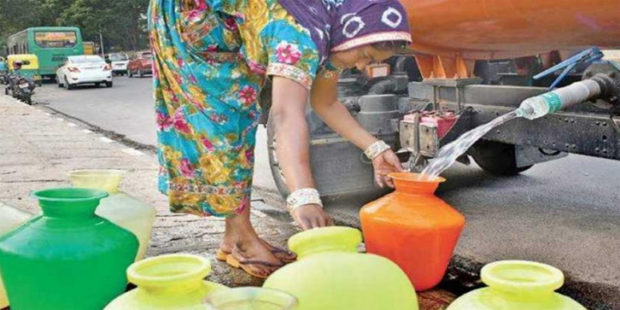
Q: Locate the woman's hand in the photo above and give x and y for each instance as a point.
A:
(311, 216)
(384, 164)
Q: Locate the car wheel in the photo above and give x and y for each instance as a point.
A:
(58, 82)
(108, 84)
(140, 73)
(69, 86)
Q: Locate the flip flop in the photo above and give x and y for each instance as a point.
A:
(244, 265)
(283, 255)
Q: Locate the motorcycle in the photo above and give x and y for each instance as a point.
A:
(21, 88)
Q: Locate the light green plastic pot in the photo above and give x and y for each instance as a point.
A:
(120, 208)
(517, 285)
(250, 298)
(331, 274)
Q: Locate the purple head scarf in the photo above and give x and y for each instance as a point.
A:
(339, 25)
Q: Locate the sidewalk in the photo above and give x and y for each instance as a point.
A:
(38, 149)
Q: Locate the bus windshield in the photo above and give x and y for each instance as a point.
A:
(55, 39)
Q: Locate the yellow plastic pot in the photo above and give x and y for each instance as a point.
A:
(331, 274)
(517, 285)
(171, 282)
(10, 218)
(120, 208)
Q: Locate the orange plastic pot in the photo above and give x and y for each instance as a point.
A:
(413, 228)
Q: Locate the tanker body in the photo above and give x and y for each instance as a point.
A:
(485, 29)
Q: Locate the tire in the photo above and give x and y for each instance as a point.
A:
(129, 74)
(69, 86)
(28, 100)
(108, 84)
(496, 158)
(140, 73)
(6, 91)
(58, 83)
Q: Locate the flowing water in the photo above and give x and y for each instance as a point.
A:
(450, 152)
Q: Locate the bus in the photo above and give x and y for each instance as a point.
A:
(52, 45)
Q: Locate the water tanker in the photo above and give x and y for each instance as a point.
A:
(476, 59)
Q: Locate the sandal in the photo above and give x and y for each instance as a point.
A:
(283, 255)
(244, 265)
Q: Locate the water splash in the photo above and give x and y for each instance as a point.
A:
(450, 152)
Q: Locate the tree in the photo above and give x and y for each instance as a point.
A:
(122, 23)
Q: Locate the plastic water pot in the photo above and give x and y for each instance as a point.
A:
(413, 228)
(120, 208)
(66, 258)
(10, 218)
(517, 285)
(251, 298)
(331, 274)
(171, 282)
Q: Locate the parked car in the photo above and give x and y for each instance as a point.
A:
(84, 69)
(119, 62)
(140, 65)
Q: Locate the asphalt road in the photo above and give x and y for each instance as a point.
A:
(565, 213)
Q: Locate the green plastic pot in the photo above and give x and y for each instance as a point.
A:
(517, 285)
(331, 274)
(66, 258)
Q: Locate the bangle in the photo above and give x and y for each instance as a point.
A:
(376, 149)
(302, 197)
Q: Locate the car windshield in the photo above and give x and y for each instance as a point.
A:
(86, 59)
(118, 57)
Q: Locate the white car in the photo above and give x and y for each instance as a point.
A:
(119, 62)
(84, 69)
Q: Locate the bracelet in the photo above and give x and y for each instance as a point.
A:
(376, 149)
(302, 197)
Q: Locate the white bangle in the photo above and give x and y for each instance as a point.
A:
(376, 149)
(302, 197)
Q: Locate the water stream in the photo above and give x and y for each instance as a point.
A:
(448, 154)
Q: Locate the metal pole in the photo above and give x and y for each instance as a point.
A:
(101, 42)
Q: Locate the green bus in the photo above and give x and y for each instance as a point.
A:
(52, 45)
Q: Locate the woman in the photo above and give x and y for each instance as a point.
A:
(211, 59)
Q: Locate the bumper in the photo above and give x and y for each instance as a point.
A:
(91, 78)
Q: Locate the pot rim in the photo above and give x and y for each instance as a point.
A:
(522, 275)
(414, 177)
(198, 268)
(80, 194)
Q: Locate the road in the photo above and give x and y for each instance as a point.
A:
(565, 213)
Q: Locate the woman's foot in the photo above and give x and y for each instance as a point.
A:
(245, 249)
(282, 254)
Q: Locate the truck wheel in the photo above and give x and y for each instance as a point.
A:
(496, 158)
(274, 165)
(337, 168)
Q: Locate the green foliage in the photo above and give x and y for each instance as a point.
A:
(122, 23)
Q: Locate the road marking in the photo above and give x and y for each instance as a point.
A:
(59, 119)
(133, 152)
(106, 140)
(86, 131)
(48, 114)
(71, 124)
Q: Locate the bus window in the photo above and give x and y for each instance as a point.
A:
(47, 39)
